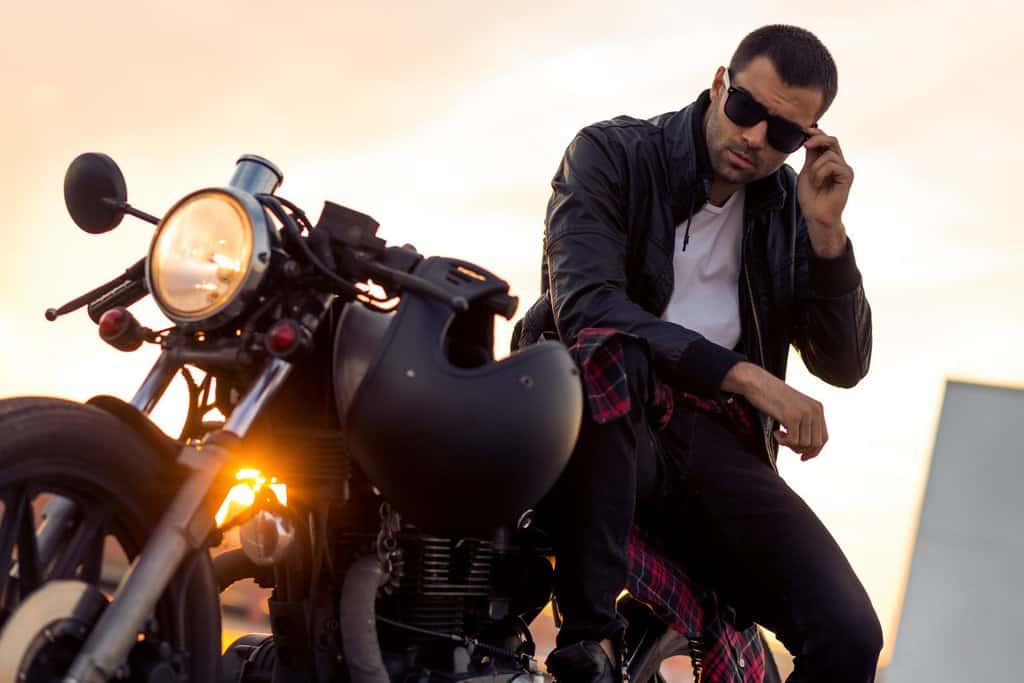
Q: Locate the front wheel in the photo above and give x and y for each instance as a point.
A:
(115, 485)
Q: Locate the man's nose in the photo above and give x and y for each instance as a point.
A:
(754, 136)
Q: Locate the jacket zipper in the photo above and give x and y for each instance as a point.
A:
(760, 347)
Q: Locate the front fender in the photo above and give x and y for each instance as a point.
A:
(140, 423)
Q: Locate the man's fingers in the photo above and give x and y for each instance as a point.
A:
(819, 139)
(830, 173)
(822, 142)
(818, 436)
(828, 164)
(813, 453)
(806, 452)
(805, 432)
(789, 439)
(801, 419)
(783, 438)
(825, 157)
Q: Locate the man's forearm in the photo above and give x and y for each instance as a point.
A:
(827, 241)
(743, 378)
(802, 418)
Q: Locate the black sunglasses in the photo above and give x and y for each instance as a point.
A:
(743, 110)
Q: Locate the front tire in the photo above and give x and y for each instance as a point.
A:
(120, 484)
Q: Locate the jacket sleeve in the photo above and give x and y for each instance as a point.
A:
(586, 247)
(833, 326)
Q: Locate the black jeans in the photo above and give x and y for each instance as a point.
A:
(733, 522)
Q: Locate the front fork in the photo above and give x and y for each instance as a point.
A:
(59, 511)
(184, 527)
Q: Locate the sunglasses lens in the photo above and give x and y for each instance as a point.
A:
(743, 110)
(784, 136)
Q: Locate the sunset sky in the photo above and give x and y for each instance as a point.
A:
(446, 121)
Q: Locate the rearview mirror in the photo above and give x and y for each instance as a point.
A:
(94, 191)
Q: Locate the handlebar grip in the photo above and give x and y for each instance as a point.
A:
(122, 296)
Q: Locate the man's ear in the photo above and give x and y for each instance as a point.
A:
(718, 84)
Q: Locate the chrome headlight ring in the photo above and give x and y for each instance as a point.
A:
(192, 256)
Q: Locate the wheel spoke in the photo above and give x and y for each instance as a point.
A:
(29, 575)
(84, 545)
(92, 562)
(59, 517)
(16, 503)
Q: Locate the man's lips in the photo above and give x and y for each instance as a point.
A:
(740, 160)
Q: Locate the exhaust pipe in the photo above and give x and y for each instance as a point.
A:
(235, 565)
(358, 616)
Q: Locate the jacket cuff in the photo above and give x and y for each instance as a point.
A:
(834, 276)
(703, 365)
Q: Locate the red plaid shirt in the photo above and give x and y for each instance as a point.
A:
(598, 352)
(733, 655)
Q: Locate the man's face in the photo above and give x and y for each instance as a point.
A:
(740, 155)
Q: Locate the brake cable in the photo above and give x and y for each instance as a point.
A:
(291, 229)
(523, 659)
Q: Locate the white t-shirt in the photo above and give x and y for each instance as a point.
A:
(705, 295)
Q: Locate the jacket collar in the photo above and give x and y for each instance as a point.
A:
(689, 167)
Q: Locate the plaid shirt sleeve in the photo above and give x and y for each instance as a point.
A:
(733, 655)
(599, 354)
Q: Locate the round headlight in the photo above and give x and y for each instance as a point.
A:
(202, 256)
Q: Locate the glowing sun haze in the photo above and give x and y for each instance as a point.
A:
(445, 121)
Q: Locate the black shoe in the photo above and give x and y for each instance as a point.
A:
(583, 662)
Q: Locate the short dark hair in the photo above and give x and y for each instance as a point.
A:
(798, 56)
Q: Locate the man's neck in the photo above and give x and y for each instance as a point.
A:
(721, 190)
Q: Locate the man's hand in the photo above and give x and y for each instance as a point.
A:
(822, 190)
(802, 418)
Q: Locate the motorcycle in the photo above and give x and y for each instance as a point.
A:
(348, 388)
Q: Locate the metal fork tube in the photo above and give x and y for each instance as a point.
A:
(155, 384)
(182, 528)
(151, 572)
(269, 381)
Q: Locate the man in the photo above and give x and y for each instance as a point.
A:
(685, 249)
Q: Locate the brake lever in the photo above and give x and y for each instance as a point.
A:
(502, 304)
(415, 284)
(136, 272)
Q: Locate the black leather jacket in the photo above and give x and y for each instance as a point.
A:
(623, 187)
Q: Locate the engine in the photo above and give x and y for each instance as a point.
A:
(443, 584)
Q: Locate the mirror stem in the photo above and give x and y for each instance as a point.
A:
(130, 210)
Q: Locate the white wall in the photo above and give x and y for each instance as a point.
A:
(962, 614)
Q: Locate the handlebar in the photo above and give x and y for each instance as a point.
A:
(134, 275)
(361, 255)
(412, 283)
(122, 296)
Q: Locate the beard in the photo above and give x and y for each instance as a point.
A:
(726, 169)
(722, 164)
